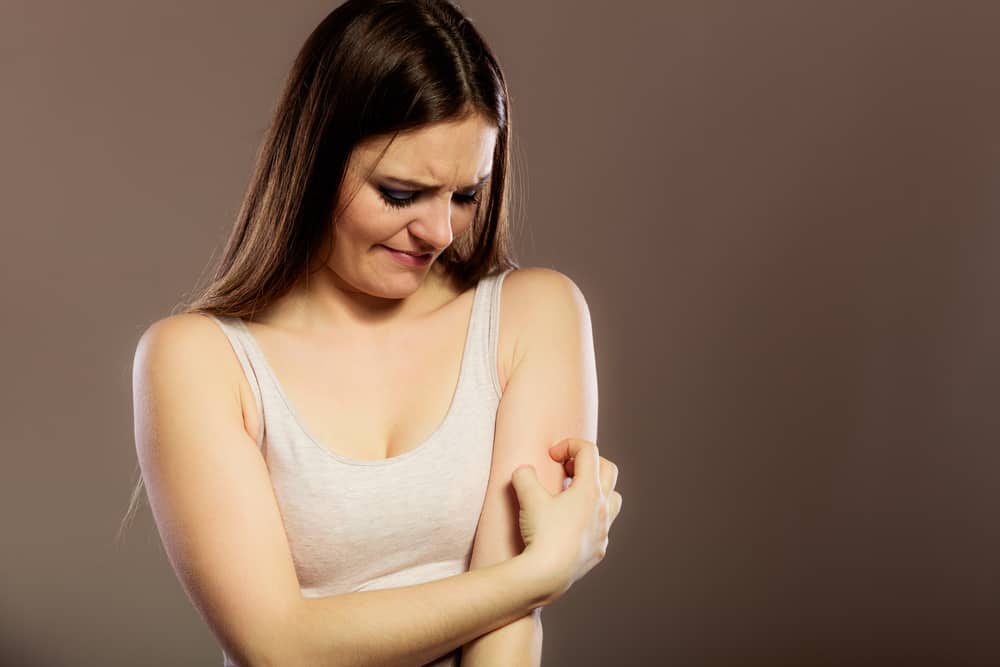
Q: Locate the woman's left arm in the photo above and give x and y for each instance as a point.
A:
(551, 394)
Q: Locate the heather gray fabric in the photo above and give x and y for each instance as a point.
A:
(356, 525)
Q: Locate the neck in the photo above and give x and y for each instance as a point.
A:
(324, 302)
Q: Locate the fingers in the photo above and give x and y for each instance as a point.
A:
(615, 505)
(609, 476)
(568, 448)
(584, 455)
(609, 473)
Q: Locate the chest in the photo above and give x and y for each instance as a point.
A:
(373, 400)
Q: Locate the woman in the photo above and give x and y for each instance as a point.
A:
(315, 504)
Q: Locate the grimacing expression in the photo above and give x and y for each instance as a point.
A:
(421, 194)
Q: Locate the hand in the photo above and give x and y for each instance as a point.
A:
(566, 534)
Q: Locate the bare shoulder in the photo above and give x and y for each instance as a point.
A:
(209, 489)
(539, 286)
(190, 339)
(185, 329)
(538, 303)
(190, 348)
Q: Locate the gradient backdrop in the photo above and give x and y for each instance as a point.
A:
(784, 216)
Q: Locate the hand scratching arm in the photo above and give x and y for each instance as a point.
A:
(551, 394)
(211, 498)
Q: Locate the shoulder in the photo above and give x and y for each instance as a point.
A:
(539, 287)
(538, 305)
(186, 354)
(185, 348)
(181, 336)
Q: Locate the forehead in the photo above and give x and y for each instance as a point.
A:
(441, 153)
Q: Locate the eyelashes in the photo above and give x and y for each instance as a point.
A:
(393, 199)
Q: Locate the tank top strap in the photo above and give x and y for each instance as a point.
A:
(244, 351)
(486, 326)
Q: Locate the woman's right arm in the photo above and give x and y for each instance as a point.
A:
(212, 500)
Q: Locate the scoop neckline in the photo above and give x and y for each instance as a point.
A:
(410, 453)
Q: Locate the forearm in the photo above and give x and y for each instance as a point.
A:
(518, 642)
(410, 625)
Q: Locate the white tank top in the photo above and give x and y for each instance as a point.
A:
(356, 525)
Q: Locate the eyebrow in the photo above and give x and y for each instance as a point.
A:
(431, 186)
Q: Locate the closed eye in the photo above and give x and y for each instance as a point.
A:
(401, 198)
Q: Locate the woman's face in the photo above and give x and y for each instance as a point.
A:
(420, 196)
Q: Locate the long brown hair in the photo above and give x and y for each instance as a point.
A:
(371, 68)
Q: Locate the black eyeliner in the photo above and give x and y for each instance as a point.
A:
(396, 202)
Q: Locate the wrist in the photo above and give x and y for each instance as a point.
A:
(540, 584)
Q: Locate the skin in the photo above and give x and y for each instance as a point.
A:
(362, 314)
(209, 487)
(361, 291)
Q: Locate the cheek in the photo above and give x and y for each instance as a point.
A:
(364, 221)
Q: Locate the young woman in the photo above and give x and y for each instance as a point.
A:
(370, 438)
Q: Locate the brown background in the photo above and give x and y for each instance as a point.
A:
(784, 218)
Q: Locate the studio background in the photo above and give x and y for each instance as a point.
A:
(784, 217)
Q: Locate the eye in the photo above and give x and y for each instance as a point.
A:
(396, 198)
(468, 199)
(401, 198)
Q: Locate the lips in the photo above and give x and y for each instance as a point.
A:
(412, 254)
(407, 259)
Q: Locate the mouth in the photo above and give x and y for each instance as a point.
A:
(408, 258)
(407, 252)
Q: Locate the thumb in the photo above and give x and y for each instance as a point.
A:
(526, 485)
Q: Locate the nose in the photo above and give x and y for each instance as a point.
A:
(433, 228)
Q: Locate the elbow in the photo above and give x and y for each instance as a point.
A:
(300, 642)
(284, 650)
(271, 655)
(257, 654)
(278, 645)
(293, 655)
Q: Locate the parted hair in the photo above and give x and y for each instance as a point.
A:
(370, 69)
